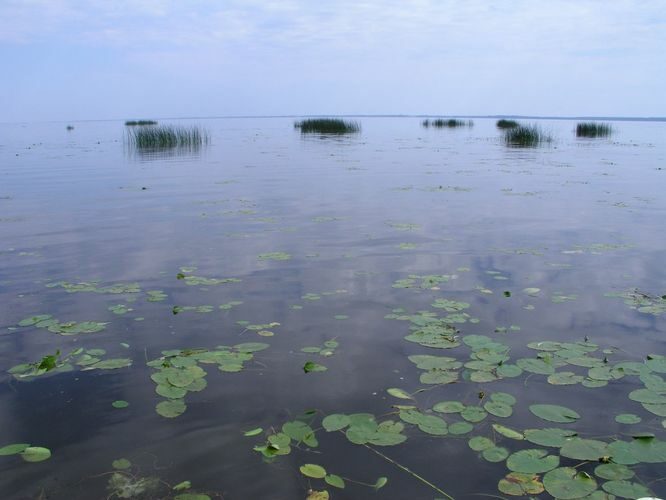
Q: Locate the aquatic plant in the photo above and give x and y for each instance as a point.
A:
(450, 123)
(526, 136)
(163, 136)
(327, 126)
(503, 124)
(133, 123)
(70, 127)
(593, 129)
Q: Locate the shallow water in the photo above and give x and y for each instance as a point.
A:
(576, 219)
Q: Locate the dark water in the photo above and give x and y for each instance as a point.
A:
(578, 218)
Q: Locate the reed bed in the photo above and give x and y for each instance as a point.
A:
(526, 136)
(593, 129)
(505, 124)
(163, 137)
(327, 126)
(134, 123)
(450, 123)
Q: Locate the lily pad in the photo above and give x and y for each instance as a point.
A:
(554, 413)
(313, 470)
(532, 461)
(627, 418)
(498, 409)
(335, 481)
(566, 483)
(508, 432)
(13, 449)
(480, 443)
(549, 436)
(626, 489)
(495, 454)
(519, 484)
(614, 472)
(449, 407)
(335, 422)
(36, 454)
(584, 449)
(172, 408)
(398, 393)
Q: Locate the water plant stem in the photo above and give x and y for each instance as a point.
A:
(410, 472)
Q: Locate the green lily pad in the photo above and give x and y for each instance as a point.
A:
(519, 484)
(508, 432)
(13, 449)
(335, 422)
(498, 409)
(121, 463)
(449, 407)
(253, 432)
(627, 418)
(459, 428)
(532, 461)
(537, 366)
(584, 449)
(647, 396)
(398, 393)
(495, 454)
(36, 454)
(480, 443)
(432, 424)
(549, 436)
(120, 404)
(503, 397)
(335, 481)
(172, 408)
(311, 366)
(565, 378)
(626, 489)
(554, 413)
(473, 414)
(566, 483)
(313, 470)
(614, 472)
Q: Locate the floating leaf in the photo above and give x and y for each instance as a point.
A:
(495, 454)
(335, 481)
(459, 428)
(566, 483)
(335, 422)
(554, 413)
(121, 463)
(473, 414)
(13, 449)
(449, 407)
(398, 393)
(626, 489)
(317, 495)
(584, 449)
(120, 404)
(507, 432)
(480, 443)
(503, 397)
(380, 483)
(549, 437)
(614, 472)
(171, 408)
(253, 432)
(36, 454)
(519, 484)
(498, 409)
(535, 366)
(532, 461)
(185, 485)
(313, 470)
(627, 418)
(311, 366)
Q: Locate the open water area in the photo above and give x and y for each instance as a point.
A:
(234, 316)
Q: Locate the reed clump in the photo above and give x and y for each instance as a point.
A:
(327, 126)
(526, 136)
(450, 123)
(504, 124)
(593, 129)
(163, 137)
(134, 123)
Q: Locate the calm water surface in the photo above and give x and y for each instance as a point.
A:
(577, 219)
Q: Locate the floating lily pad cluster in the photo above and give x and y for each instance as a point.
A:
(426, 282)
(642, 301)
(178, 372)
(192, 280)
(87, 359)
(263, 329)
(68, 328)
(230, 305)
(199, 309)
(27, 452)
(274, 256)
(94, 286)
(314, 471)
(292, 433)
(326, 350)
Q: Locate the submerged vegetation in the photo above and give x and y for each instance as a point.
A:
(133, 123)
(163, 136)
(503, 124)
(526, 136)
(450, 123)
(327, 126)
(593, 129)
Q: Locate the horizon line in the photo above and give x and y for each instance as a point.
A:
(214, 117)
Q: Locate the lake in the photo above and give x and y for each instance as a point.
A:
(407, 312)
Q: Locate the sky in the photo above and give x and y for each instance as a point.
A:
(101, 59)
